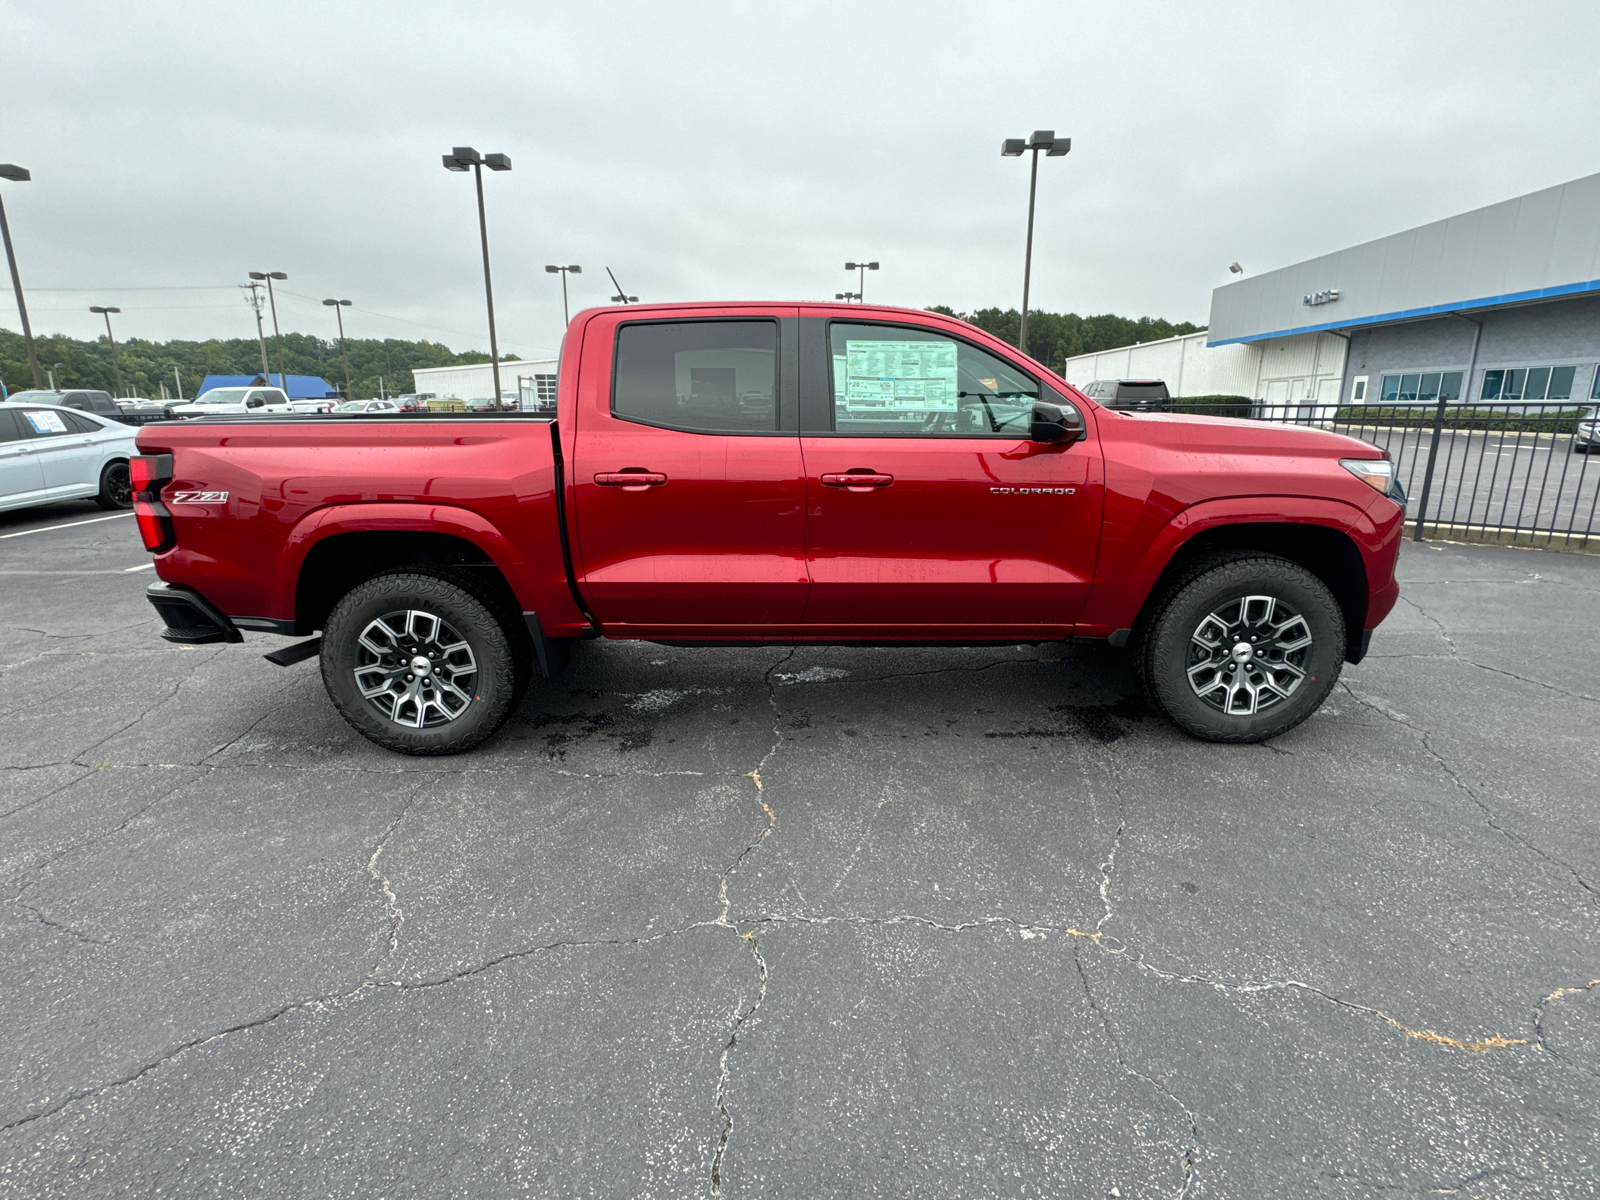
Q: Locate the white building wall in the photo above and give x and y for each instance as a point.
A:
(1185, 363)
(1298, 370)
(470, 382)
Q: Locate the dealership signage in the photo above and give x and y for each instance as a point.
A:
(1327, 297)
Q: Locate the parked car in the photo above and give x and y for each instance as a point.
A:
(1129, 393)
(223, 401)
(1587, 435)
(480, 404)
(319, 404)
(52, 452)
(94, 401)
(915, 480)
(368, 406)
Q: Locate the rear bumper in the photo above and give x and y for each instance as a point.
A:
(191, 619)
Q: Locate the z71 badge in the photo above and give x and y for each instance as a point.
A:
(199, 497)
(1003, 491)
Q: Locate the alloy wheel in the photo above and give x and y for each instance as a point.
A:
(415, 669)
(1248, 655)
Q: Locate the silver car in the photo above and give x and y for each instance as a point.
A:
(50, 453)
(1587, 435)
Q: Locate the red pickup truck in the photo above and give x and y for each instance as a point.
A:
(773, 473)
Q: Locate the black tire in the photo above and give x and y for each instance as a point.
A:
(116, 487)
(416, 724)
(1226, 693)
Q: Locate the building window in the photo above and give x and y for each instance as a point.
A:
(1422, 387)
(1358, 391)
(545, 388)
(1528, 383)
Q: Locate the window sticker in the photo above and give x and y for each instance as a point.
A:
(900, 377)
(46, 422)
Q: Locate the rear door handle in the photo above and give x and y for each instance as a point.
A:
(856, 481)
(631, 481)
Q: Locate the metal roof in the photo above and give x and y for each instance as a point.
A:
(301, 387)
(1535, 247)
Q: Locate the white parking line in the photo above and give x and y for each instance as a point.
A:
(68, 525)
(141, 567)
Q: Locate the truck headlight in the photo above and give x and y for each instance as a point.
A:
(1377, 473)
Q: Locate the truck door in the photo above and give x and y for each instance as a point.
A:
(929, 509)
(688, 490)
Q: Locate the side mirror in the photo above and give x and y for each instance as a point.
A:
(1056, 423)
(254, 402)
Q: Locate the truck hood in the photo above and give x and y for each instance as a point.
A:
(1233, 435)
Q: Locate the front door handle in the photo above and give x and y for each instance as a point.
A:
(856, 481)
(630, 481)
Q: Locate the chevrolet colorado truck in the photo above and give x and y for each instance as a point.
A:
(773, 474)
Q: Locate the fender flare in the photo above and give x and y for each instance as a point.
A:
(1128, 584)
(397, 517)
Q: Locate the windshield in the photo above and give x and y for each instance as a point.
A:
(223, 396)
(352, 406)
(35, 397)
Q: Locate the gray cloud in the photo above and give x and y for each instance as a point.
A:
(733, 151)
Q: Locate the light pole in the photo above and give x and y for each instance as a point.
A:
(574, 269)
(338, 307)
(254, 301)
(1235, 269)
(18, 174)
(1054, 147)
(115, 365)
(622, 297)
(177, 379)
(863, 268)
(847, 296)
(459, 159)
(277, 338)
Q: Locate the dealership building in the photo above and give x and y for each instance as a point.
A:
(1500, 304)
(531, 381)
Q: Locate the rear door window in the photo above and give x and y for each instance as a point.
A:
(44, 423)
(698, 376)
(10, 426)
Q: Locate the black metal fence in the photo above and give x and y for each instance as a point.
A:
(1511, 472)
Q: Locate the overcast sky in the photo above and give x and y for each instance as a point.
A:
(746, 150)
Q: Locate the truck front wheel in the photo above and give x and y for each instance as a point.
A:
(1244, 649)
(420, 665)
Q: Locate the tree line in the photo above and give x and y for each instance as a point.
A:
(1055, 337)
(147, 366)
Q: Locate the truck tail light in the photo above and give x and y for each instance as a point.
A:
(149, 473)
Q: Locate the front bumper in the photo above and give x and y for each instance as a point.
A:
(191, 619)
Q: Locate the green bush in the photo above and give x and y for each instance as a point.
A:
(1212, 406)
(1563, 420)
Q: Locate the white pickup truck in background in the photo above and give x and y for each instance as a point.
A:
(260, 401)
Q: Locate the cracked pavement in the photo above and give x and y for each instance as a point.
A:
(809, 922)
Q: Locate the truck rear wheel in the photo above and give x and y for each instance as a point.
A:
(1244, 649)
(419, 664)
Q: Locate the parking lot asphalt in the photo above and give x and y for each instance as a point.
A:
(814, 922)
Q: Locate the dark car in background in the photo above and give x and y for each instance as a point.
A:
(91, 401)
(1129, 393)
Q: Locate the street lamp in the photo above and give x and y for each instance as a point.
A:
(574, 269)
(1054, 147)
(338, 307)
(863, 268)
(459, 159)
(1235, 269)
(115, 365)
(847, 296)
(277, 338)
(18, 174)
(622, 297)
